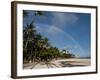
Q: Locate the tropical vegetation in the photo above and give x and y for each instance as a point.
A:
(36, 47)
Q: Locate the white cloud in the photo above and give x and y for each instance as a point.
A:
(50, 29)
(59, 20)
(62, 19)
(54, 30)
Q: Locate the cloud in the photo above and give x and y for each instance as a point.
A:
(50, 29)
(54, 30)
(62, 19)
(59, 21)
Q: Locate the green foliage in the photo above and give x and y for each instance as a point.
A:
(25, 13)
(39, 13)
(37, 47)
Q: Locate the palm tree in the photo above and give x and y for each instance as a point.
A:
(64, 51)
(39, 13)
(25, 13)
(29, 34)
(36, 46)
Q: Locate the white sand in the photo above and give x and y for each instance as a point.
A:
(72, 62)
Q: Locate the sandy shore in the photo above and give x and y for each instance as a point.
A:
(72, 62)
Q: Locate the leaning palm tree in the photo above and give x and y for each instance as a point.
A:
(29, 34)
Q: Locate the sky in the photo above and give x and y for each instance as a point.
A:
(65, 30)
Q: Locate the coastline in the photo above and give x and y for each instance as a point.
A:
(59, 63)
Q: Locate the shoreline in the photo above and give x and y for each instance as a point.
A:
(59, 63)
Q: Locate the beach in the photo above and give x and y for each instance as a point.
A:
(59, 63)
